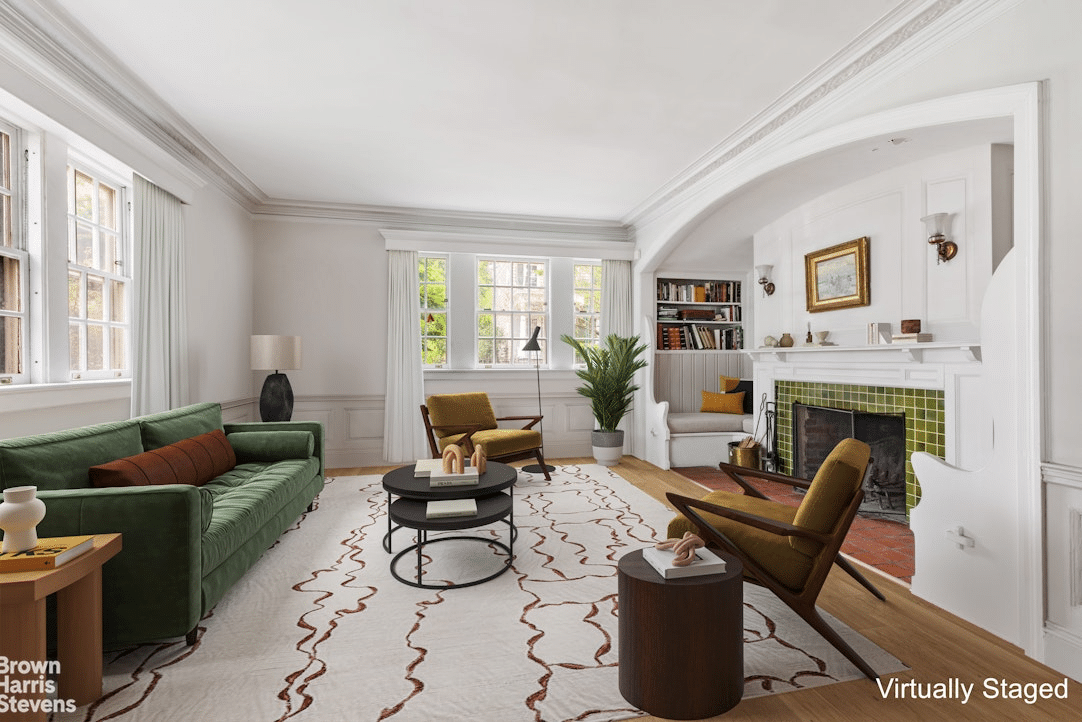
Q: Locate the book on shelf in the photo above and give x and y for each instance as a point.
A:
(911, 338)
(446, 508)
(49, 553)
(706, 562)
(469, 477)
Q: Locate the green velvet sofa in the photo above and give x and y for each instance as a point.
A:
(184, 545)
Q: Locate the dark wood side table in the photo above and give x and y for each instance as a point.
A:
(77, 585)
(681, 641)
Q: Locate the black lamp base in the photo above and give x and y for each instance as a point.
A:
(276, 400)
(538, 469)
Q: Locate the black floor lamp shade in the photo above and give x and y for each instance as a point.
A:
(533, 345)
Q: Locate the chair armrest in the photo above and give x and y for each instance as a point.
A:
(468, 429)
(737, 474)
(685, 505)
(533, 420)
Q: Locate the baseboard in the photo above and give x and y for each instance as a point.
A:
(1063, 651)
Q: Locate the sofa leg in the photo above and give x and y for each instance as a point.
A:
(191, 637)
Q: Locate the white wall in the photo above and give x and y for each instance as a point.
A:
(905, 280)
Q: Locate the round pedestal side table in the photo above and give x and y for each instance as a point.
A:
(681, 641)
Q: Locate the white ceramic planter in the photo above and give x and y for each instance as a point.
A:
(20, 513)
(608, 446)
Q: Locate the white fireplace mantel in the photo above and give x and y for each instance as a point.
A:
(944, 352)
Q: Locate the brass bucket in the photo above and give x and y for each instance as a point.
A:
(749, 458)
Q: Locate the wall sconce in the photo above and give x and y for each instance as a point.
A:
(764, 278)
(936, 225)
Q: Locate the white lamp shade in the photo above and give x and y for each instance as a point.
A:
(280, 353)
(764, 270)
(936, 224)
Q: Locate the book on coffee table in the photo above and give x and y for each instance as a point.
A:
(425, 467)
(469, 477)
(450, 508)
(706, 562)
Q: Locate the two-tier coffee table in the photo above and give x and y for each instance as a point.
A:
(409, 510)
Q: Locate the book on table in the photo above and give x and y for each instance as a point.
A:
(450, 508)
(49, 553)
(469, 477)
(706, 562)
(425, 467)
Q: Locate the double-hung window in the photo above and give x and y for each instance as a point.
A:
(432, 284)
(99, 276)
(587, 300)
(512, 299)
(14, 264)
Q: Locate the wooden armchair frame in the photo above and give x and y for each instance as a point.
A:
(803, 601)
(470, 429)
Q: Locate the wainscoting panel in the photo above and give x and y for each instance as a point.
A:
(680, 377)
(1063, 544)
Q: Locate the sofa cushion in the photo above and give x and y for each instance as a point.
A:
(169, 427)
(60, 460)
(499, 442)
(467, 409)
(192, 461)
(246, 498)
(272, 445)
(705, 423)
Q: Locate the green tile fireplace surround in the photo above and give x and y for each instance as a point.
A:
(923, 409)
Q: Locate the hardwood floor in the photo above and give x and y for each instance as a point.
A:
(937, 646)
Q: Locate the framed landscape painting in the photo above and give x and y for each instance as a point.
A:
(837, 277)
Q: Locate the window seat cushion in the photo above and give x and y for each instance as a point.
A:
(706, 422)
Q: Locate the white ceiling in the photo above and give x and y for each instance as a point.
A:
(568, 108)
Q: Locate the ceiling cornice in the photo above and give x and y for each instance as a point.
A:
(43, 41)
(421, 219)
(921, 26)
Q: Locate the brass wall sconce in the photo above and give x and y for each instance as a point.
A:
(937, 225)
(764, 278)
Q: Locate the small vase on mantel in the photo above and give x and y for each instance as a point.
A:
(786, 341)
(20, 513)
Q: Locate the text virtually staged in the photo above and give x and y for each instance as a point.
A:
(955, 689)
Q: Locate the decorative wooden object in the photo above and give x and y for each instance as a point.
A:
(478, 460)
(453, 460)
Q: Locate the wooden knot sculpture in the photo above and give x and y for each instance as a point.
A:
(478, 460)
(683, 549)
(453, 461)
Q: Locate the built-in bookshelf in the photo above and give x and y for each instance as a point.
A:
(699, 315)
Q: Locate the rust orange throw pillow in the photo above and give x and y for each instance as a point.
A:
(192, 461)
(723, 403)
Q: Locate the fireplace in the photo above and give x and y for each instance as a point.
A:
(818, 429)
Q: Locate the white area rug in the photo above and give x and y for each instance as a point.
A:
(319, 630)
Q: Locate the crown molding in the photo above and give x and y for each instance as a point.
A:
(898, 42)
(44, 42)
(429, 220)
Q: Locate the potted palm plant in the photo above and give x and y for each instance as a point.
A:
(610, 370)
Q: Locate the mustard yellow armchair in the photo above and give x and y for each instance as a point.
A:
(469, 421)
(786, 549)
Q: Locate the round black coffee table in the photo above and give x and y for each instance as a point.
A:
(410, 511)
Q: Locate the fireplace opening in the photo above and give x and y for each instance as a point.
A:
(818, 429)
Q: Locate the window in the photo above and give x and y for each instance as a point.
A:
(587, 300)
(98, 278)
(512, 298)
(432, 278)
(14, 264)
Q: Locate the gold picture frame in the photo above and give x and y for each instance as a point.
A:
(837, 277)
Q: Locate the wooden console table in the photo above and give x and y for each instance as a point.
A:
(77, 585)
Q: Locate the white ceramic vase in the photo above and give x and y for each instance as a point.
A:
(20, 513)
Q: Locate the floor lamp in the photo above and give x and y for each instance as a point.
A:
(532, 345)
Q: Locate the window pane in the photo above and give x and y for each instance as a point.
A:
(485, 325)
(6, 239)
(84, 246)
(95, 347)
(502, 300)
(84, 196)
(11, 340)
(75, 346)
(75, 296)
(107, 246)
(503, 273)
(106, 206)
(118, 310)
(485, 351)
(118, 348)
(503, 352)
(10, 284)
(484, 298)
(435, 351)
(95, 298)
(503, 325)
(485, 272)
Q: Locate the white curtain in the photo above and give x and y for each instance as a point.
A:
(160, 319)
(403, 430)
(616, 298)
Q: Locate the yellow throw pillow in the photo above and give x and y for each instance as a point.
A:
(723, 403)
(727, 383)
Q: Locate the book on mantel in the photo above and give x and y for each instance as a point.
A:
(911, 338)
(706, 562)
(48, 554)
